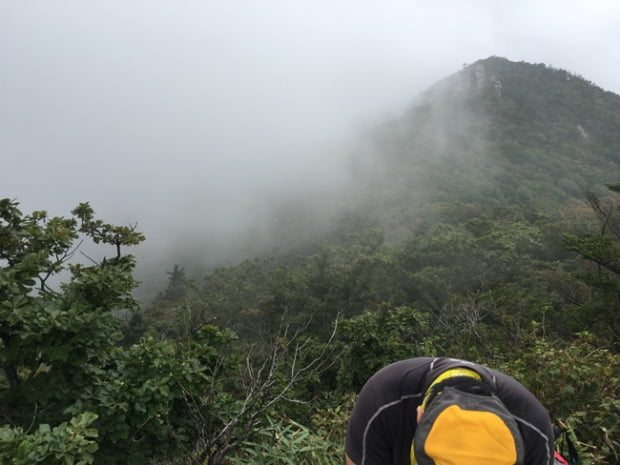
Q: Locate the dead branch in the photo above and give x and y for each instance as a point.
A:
(263, 387)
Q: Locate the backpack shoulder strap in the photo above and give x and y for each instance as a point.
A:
(563, 442)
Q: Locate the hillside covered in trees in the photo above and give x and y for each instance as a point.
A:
(494, 134)
(482, 224)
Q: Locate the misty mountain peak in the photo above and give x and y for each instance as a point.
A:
(494, 131)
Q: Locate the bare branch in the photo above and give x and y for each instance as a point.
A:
(263, 387)
(92, 260)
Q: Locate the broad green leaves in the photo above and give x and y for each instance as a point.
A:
(375, 339)
(58, 345)
(70, 443)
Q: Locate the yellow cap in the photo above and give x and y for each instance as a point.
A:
(462, 428)
(451, 373)
(469, 437)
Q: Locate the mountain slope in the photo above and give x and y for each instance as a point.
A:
(495, 132)
(495, 136)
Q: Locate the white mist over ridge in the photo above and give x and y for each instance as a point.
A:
(195, 119)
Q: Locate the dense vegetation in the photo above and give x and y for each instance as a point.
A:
(506, 251)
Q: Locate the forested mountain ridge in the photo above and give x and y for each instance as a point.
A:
(496, 132)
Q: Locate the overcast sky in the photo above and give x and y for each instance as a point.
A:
(177, 114)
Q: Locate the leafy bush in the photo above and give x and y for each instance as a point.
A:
(70, 443)
(580, 385)
(286, 442)
(375, 339)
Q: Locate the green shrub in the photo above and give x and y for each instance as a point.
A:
(71, 443)
(286, 442)
(580, 385)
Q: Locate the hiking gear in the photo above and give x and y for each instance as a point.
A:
(564, 444)
(468, 429)
(558, 459)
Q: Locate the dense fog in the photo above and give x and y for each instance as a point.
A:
(202, 121)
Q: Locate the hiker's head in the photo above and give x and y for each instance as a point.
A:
(463, 422)
(460, 378)
(462, 383)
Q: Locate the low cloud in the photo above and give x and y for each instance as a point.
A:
(194, 118)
